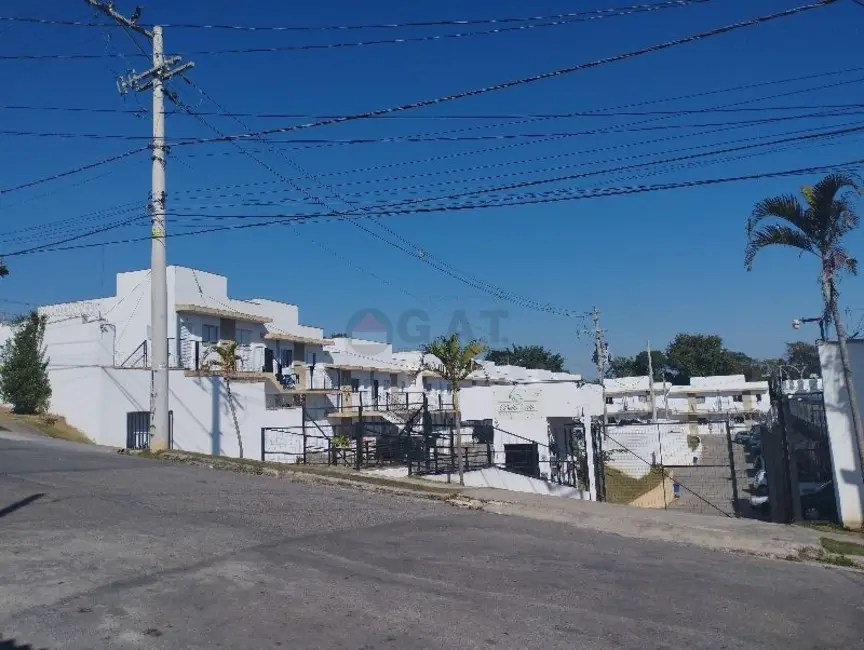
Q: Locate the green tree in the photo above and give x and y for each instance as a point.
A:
(24, 379)
(535, 357)
(453, 363)
(620, 367)
(697, 355)
(803, 356)
(4, 270)
(337, 335)
(225, 364)
(817, 227)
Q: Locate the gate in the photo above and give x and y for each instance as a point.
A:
(138, 430)
(674, 465)
(799, 473)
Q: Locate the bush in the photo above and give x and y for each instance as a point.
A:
(24, 369)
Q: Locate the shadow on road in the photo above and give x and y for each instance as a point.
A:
(8, 510)
(11, 644)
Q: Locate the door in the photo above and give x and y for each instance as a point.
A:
(522, 459)
(268, 360)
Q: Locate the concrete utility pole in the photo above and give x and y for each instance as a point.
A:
(164, 68)
(651, 384)
(602, 358)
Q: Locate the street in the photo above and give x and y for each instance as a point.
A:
(99, 550)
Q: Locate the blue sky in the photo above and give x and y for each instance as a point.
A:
(654, 263)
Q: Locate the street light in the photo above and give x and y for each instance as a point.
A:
(796, 324)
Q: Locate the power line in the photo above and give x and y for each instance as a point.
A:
(750, 140)
(77, 170)
(414, 248)
(313, 28)
(476, 138)
(601, 113)
(392, 41)
(573, 195)
(525, 80)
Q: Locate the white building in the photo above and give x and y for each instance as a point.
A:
(100, 360)
(704, 400)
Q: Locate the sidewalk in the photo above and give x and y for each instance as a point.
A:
(708, 531)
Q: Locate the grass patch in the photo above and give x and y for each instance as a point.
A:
(624, 489)
(839, 560)
(50, 425)
(827, 527)
(842, 547)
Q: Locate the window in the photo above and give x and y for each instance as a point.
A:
(700, 400)
(737, 398)
(209, 334)
(244, 337)
(758, 397)
(702, 421)
(610, 400)
(355, 385)
(287, 357)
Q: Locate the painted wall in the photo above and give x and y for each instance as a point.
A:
(635, 446)
(500, 479)
(848, 482)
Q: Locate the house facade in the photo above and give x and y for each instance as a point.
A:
(702, 401)
(291, 383)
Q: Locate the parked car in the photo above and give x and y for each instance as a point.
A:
(820, 504)
(742, 437)
(760, 479)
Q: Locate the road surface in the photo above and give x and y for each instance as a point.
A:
(99, 550)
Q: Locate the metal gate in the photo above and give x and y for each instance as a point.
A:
(675, 465)
(138, 430)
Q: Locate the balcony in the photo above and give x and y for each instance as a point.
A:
(386, 404)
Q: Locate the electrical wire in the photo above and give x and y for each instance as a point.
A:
(77, 170)
(504, 116)
(411, 139)
(391, 41)
(412, 249)
(759, 20)
(572, 195)
(303, 28)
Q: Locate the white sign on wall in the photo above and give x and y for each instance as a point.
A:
(517, 403)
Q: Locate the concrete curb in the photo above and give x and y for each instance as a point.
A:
(702, 532)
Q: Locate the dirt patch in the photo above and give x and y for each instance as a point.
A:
(50, 425)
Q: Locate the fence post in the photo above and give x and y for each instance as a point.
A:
(358, 433)
(303, 428)
(489, 454)
(736, 507)
(197, 350)
(263, 430)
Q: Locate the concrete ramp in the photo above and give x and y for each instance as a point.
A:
(494, 477)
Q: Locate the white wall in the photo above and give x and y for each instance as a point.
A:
(846, 462)
(635, 446)
(495, 477)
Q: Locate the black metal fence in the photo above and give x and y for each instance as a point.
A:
(681, 466)
(799, 476)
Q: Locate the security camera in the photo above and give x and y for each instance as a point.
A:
(796, 324)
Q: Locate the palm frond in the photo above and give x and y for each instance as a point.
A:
(226, 357)
(775, 235)
(830, 207)
(449, 359)
(838, 261)
(785, 207)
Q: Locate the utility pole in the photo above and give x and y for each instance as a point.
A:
(601, 359)
(651, 384)
(164, 68)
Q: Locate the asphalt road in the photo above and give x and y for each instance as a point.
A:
(106, 551)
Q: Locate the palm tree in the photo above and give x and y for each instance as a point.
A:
(816, 227)
(453, 363)
(225, 364)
